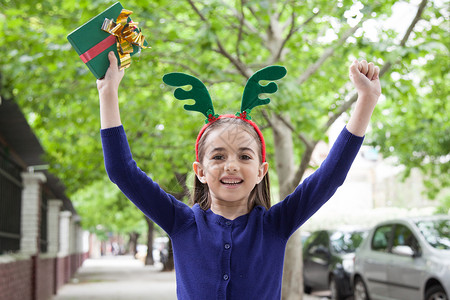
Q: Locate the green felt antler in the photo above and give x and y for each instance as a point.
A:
(253, 89)
(199, 93)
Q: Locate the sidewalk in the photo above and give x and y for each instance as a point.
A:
(119, 278)
(122, 278)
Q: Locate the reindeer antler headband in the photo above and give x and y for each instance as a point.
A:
(250, 97)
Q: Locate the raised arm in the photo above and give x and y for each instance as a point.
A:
(108, 90)
(169, 213)
(288, 215)
(365, 77)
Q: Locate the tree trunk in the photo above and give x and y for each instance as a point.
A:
(132, 244)
(293, 269)
(149, 258)
(169, 264)
(292, 288)
(284, 154)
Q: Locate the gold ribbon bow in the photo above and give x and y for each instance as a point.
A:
(127, 34)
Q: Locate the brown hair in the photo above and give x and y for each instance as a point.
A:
(260, 195)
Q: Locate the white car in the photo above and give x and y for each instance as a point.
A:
(405, 259)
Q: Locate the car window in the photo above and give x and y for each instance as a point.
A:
(381, 237)
(318, 241)
(322, 239)
(309, 241)
(436, 233)
(346, 242)
(403, 236)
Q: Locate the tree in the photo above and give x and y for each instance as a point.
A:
(413, 124)
(223, 42)
(272, 28)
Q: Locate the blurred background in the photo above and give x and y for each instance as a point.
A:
(57, 206)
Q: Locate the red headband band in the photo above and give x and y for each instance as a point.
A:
(243, 118)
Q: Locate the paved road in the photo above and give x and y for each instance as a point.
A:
(122, 278)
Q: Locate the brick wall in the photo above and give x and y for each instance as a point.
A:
(15, 280)
(76, 260)
(45, 278)
(37, 278)
(59, 279)
(62, 276)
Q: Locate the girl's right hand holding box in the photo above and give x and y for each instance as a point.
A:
(108, 90)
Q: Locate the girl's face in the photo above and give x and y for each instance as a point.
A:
(231, 165)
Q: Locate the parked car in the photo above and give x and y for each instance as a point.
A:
(328, 260)
(406, 258)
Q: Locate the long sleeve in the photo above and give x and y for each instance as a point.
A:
(169, 213)
(288, 215)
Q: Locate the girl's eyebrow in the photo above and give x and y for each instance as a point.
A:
(241, 149)
(217, 149)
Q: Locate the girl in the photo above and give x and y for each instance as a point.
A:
(231, 243)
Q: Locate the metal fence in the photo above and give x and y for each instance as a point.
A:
(10, 203)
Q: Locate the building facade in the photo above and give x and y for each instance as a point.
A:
(40, 232)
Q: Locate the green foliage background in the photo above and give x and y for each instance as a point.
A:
(57, 93)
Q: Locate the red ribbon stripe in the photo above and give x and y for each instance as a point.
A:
(97, 49)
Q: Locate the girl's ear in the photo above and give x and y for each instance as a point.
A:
(262, 171)
(199, 171)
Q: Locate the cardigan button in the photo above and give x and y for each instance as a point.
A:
(228, 223)
(225, 277)
(227, 246)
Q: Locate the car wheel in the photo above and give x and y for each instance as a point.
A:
(436, 292)
(360, 292)
(335, 295)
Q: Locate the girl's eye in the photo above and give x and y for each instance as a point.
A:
(245, 157)
(218, 157)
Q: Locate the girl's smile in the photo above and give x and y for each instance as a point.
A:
(231, 182)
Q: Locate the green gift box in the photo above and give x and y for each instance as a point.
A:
(93, 44)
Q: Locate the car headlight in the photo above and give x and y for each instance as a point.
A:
(348, 265)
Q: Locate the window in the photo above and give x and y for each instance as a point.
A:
(319, 244)
(404, 237)
(322, 240)
(346, 242)
(436, 232)
(381, 237)
(310, 240)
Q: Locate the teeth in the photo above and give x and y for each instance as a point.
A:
(231, 182)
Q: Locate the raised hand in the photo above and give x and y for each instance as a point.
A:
(365, 77)
(113, 76)
(108, 91)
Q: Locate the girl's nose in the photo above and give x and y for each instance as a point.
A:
(231, 166)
